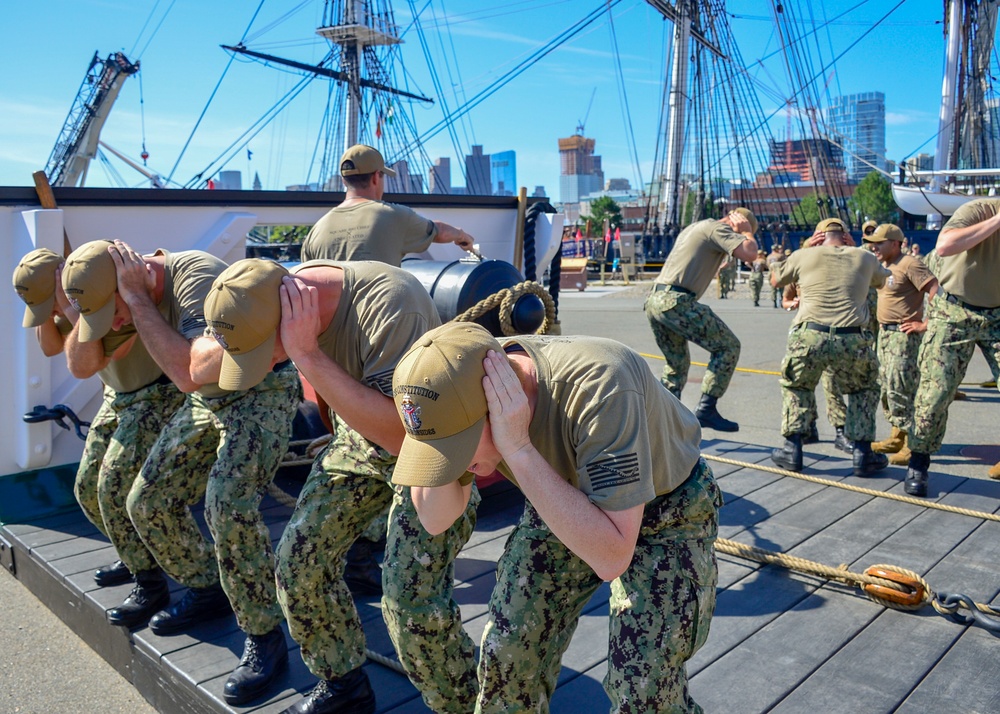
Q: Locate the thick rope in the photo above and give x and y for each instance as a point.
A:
(858, 489)
(506, 299)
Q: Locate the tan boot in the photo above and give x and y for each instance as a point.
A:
(960, 396)
(895, 442)
(994, 472)
(901, 457)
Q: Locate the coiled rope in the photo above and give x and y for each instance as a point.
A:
(506, 299)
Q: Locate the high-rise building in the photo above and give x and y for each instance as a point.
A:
(579, 169)
(503, 173)
(403, 181)
(858, 123)
(811, 161)
(477, 172)
(439, 176)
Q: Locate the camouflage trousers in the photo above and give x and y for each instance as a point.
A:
(898, 375)
(678, 318)
(727, 278)
(836, 406)
(953, 332)
(419, 609)
(348, 487)
(756, 283)
(850, 359)
(776, 296)
(226, 449)
(120, 436)
(660, 608)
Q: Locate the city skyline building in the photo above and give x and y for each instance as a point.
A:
(439, 176)
(503, 173)
(580, 172)
(477, 172)
(858, 123)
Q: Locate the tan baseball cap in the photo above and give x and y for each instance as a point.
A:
(243, 311)
(361, 159)
(886, 231)
(35, 284)
(868, 224)
(748, 214)
(831, 224)
(90, 281)
(438, 389)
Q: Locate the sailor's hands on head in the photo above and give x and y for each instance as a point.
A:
(62, 305)
(135, 279)
(815, 239)
(739, 222)
(509, 410)
(300, 319)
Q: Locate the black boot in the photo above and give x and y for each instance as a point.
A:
(811, 436)
(842, 443)
(114, 574)
(350, 694)
(264, 658)
(197, 605)
(361, 571)
(866, 461)
(916, 474)
(709, 417)
(150, 593)
(789, 456)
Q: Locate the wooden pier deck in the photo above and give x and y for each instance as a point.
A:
(780, 642)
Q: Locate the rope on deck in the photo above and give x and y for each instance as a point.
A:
(888, 585)
(858, 489)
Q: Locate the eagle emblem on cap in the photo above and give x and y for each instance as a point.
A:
(411, 413)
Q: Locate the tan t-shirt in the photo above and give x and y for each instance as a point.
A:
(187, 277)
(972, 276)
(901, 298)
(605, 423)
(698, 253)
(382, 312)
(133, 371)
(833, 283)
(372, 230)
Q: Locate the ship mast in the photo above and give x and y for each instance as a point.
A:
(355, 28)
(945, 155)
(677, 103)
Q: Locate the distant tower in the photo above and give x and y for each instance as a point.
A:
(477, 172)
(580, 170)
(859, 123)
(256, 181)
(439, 176)
(503, 173)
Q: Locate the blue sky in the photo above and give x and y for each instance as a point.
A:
(49, 43)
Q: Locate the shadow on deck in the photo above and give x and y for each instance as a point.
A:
(780, 641)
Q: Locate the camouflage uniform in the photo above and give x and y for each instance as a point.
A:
(757, 280)
(851, 362)
(953, 331)
(669, 588)
(727, 278)
(226, 449)
(678, 318)
(898, 375)
(348, 487)
(120, 436)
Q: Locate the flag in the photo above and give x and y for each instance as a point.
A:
(618, 234)
(249, 154)
(211, 185)
(389, 114)
(607, 235)
(378, 128)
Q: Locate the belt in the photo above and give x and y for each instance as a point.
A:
(961, 303)
(856, 330)
(671, 288)
(891, 328)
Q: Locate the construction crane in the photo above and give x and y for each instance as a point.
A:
(582, 123)
(78, 140)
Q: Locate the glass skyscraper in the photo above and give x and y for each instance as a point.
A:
(503, 173)
(858, 124)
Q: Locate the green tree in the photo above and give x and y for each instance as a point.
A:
(279, 234)
(807, 214)
(872, 200)
(601, 208)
